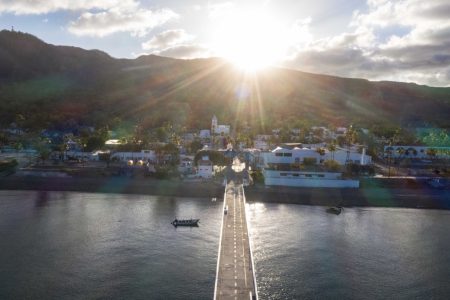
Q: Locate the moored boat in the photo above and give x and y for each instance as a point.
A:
(334, 210)
(186, 222)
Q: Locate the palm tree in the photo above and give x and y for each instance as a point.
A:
(389, 151)
(350, 137)
(332, 148)
(431, 152)
(400, 151)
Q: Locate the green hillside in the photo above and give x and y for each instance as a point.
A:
(50, 85)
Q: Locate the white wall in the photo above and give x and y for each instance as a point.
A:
(319, 183)
(143, 155)
(329, 180)
(205, 171)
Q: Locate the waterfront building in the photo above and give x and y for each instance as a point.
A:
(297, 153)
(261, 142)
(205, 168)
(285, 166)
(186, 165)
(144, 155)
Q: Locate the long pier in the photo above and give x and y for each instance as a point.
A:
(235, 278)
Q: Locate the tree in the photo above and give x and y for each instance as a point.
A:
(321, 151)
(332, 148)
(332, 165)
(350, 137)
(401, 152)
(389, 151)
(195, 146)
(44, 154)
(94, 143)
(431, 152)
(168, 153)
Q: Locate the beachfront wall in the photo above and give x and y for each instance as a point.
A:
(92, 156)
(144, 155)
(308, 179)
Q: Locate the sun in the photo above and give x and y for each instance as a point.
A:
(251, 40)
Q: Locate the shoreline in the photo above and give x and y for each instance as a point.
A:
(371, 194)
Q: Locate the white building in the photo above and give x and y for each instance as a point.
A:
(186, 165)
(308, 179)
(278, 168)
(217, 129)
(340, 131)
(205, 134)
(297, 155)
(144, 155)
(261, 142)
(205, 168)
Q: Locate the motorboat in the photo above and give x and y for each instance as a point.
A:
(335, 210)
(185, 222)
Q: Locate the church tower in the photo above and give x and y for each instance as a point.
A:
(213, 125)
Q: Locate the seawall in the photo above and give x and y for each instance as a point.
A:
(373, 192)
(123, 185)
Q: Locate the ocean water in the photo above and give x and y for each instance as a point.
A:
(99, 246)
(302, 252)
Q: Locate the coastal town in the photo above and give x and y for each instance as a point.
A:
(307, 156)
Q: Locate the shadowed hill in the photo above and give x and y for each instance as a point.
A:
(50, 84)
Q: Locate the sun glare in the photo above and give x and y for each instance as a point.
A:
(252, 41)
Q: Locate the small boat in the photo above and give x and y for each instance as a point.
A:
(187, 222)
(334, 210)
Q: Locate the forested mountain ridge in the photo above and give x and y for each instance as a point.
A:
(50, 85)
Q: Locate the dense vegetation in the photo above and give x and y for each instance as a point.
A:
(46, 86)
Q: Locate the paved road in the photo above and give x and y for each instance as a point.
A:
(235, 279)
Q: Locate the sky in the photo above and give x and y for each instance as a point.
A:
(404, 40)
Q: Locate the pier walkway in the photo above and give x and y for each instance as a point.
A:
(235, 278)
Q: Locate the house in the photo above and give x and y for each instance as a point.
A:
(217, 129)
(262, 142)
(188, 137)
(205, 134)
(205, 168)
(280, 168)
(340, 131)
(186, 165)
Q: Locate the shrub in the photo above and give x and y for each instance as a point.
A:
(332, 165)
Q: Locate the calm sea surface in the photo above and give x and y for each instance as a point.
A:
(98, 246)
(302, 252)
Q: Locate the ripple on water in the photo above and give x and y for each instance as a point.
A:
(301, 252)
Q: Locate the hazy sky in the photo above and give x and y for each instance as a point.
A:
(406, 40)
